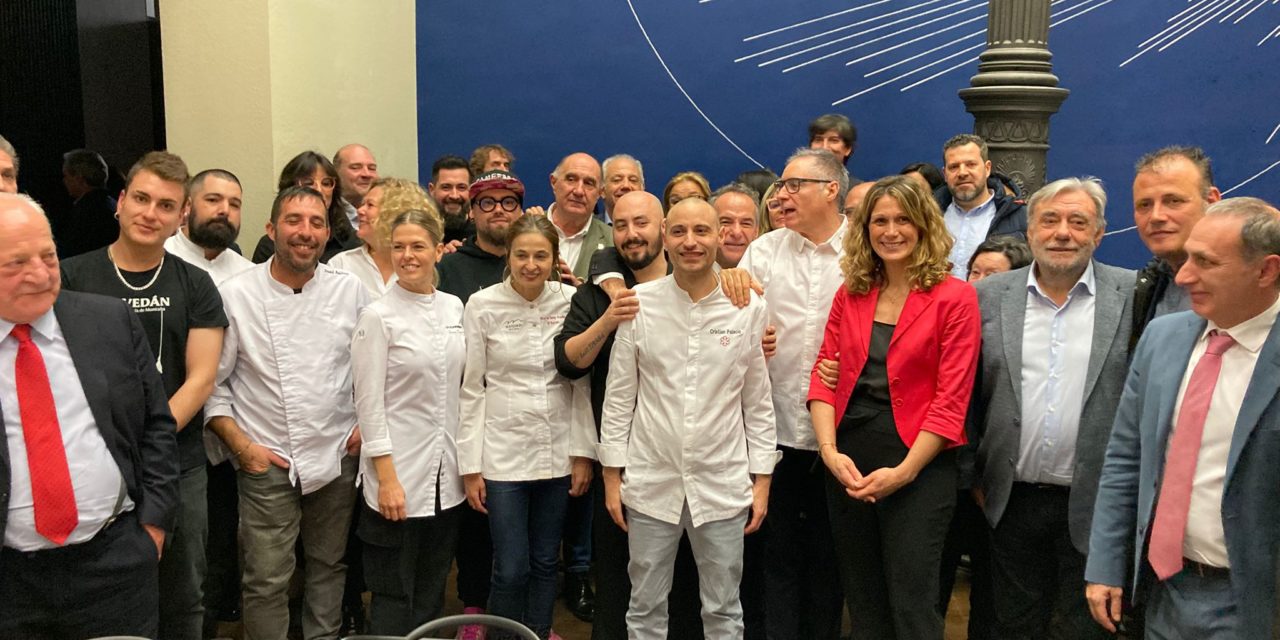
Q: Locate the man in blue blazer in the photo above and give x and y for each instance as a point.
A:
(1187, 517)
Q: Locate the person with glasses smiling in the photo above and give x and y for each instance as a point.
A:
(799, 269)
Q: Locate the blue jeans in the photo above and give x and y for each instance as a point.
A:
(526, 519)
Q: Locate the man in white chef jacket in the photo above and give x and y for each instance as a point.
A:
(283, 406)
(698, 462)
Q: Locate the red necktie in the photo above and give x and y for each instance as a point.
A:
(1170, 525)
(53, 498)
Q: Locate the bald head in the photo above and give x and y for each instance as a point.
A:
(29, 278)
(637, 229)
(692, 237)
(357, 171)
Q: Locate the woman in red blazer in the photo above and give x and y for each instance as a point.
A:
(907, 338)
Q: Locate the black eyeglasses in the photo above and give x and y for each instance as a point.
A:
(509, 203)
(793, 184)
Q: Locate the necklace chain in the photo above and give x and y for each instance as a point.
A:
(126, 283)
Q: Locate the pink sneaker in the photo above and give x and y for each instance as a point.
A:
(472, 631)
(554, 636)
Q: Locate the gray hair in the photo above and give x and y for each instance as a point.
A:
(1260, 234)
(829, 168)
(735, 187)
(604, 166)
(1088, 185)
(7, 147)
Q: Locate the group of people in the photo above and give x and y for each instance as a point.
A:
(736, 412)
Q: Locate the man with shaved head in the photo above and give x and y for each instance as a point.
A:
(357, 171)
(699, 461)
(89, 473)
(576, 184)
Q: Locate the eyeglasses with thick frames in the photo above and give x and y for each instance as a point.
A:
(509, 204)
(793, 184)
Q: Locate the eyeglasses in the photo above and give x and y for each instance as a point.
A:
(793, 184)
(327, 183)
(773, 205)
(487, 204)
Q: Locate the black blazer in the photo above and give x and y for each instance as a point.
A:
(126, 396)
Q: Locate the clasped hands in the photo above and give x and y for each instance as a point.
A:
(871, 487)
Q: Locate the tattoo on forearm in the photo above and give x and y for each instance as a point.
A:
(589, 348)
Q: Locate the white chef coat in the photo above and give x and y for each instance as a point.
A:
(687, 412)
(361, 264)
(285, 371)
(521, 420)
(227, 264)
(800, 281)
(407, 357)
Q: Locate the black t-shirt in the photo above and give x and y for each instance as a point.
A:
(183, 297)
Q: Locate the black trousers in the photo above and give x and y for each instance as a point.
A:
(890, 551)
(802, 584)
(106, 586)
(969, 535)
(1038, 574)
(222, 551)
(474, 554)
(613, 585)
(406, 565)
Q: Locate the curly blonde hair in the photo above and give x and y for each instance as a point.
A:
(930, 260)
(398, 196)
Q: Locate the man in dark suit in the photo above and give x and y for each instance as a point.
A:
(88, 476)
(1054, 357)
(1188, 505)
(91, 223)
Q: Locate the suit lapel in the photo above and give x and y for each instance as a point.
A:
(917, 301)
(1013, 315)
(1262, 390)
(78, 331)
(1107, 309)
(864, 308)
(1167, 371)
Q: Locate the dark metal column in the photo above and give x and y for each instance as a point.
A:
(1015, 91)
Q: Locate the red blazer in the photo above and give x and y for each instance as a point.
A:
(931, 361)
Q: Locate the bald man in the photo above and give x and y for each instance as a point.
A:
(698, 462)
(78, 390)
(357, 171)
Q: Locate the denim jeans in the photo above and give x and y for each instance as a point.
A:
(182, 566)
(526, 519)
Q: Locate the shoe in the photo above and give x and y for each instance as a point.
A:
(472, 631)
(578, 596)
(554, 636)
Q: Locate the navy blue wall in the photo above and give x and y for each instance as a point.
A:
(548, 78)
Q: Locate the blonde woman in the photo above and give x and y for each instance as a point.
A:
(371, 261)
(907, 334)
(407, 356)
(686, 184)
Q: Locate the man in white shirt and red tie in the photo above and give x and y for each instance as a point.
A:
(284, 407)
(699, 461)
(1191, 484)
(89, 473)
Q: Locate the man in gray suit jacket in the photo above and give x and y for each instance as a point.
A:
(1054, 356)
(1188, 509)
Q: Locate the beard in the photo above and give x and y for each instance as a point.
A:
(455, 226)
(216, 234)
(285, 256)
(462, 206)
(645, 259)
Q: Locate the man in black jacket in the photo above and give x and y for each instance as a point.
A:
(976, 203)
(1171, 190)
(480, 260)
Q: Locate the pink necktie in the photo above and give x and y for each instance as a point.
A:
(1165, 552)
(53, 498)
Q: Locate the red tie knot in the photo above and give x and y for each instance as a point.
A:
(22, 332)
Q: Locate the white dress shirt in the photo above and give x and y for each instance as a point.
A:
(227, 264)
(1056, 342)
(407, 357)
(285, 371)
(687, 412)
(1204, 540)
(361, 264)
(570, 245)
(800, 281)
(969, 229)
(521, 420)
(95, 477)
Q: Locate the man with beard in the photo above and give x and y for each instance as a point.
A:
(974, 203)
(213, 224)
(582, 348)
(496, 201)
(449, 187)
(1055, 348)
(622, 175)
(181, 311)
(357, 171)
(292, 433)
(735, 204)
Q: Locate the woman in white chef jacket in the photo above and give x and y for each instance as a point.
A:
(527, 435)
(407, 358)
(371, 262)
